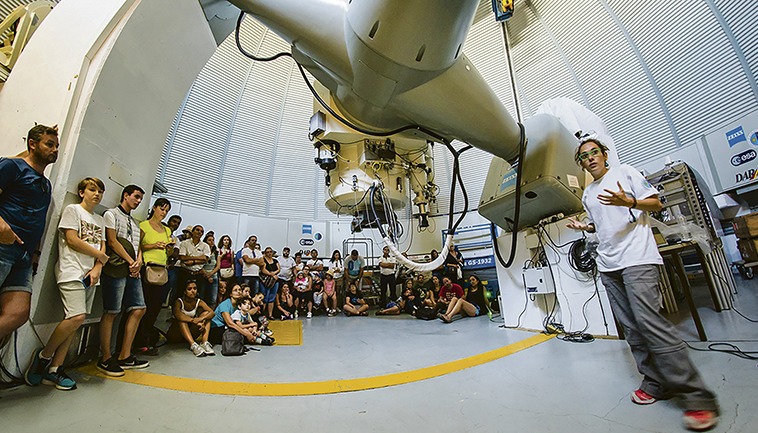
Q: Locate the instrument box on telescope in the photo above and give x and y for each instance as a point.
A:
(552, 182)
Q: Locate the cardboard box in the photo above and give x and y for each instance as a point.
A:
(748, 249)
(746, 226)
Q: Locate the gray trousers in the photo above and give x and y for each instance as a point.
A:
(660, 354)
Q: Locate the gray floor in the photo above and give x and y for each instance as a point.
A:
(552, 387)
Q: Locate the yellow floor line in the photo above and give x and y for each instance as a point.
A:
(315, 388)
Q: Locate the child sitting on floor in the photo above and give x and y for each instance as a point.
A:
(244, 319)
(354, 303)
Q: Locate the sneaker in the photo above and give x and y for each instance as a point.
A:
(37, 368)
(268, 332)
(197, 350)
(110, 367)
(700, 420)
(296, 314)
(132, 362)
(641, 397)
(309, 315)
(208, 348)
(60, 379)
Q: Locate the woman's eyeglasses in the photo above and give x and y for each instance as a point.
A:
(586, 155)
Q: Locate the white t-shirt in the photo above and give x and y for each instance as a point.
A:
(250, 270)
(285, 267)
(387, 271)
(338, 267)
(90, 227)
(312, 263)
(238, 316)
(187, 248)
(125, 225)
(623, 243)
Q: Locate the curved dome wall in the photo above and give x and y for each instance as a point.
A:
(661, 76)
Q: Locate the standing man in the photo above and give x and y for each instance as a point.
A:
(193, 253)
(24, 199)
(286, 265)
(172, 264)
(354, 266)
(122, 287)
(316, 264)
(387, 277)
(616, 203)
(250, 266)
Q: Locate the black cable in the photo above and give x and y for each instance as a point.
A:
(580, 258)
(744, 316)
(730, 350)
(380, 133)
(526, 303)
(517, 209)
(252, 56)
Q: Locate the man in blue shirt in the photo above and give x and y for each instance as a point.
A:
(24, 199)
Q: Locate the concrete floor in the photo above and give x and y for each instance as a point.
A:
(552, 387)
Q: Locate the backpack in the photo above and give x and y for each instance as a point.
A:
(426, 313)
(232, 343)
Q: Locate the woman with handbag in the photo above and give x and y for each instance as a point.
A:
(226, 259)
(269, 281)
(156, 245)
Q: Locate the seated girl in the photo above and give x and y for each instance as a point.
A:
(434, 289)
(354, 303)
(330, 293)
(472, 304)
(191, 322)
(285, 303)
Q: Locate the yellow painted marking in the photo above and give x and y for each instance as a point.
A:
(315, 388)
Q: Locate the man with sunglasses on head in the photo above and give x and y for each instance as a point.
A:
(616, 203)
(24, 200)
(121, 284)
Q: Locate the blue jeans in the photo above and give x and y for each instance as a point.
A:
(169, 290)
(15, 269)
(210, 293)
(121, 293)
(269, 293)
(253, 282)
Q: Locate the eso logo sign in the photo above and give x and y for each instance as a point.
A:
(742, 158)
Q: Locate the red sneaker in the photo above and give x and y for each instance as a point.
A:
(700, 420)
(641, 397)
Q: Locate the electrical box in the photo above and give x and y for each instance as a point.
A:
(538, 281)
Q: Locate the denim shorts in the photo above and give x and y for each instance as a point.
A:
(121, 293)
(15, 269)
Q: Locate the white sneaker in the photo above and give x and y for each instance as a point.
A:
(268, 332)
(197, 350)
(208, 348)
(309, 315)
(296, 314)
